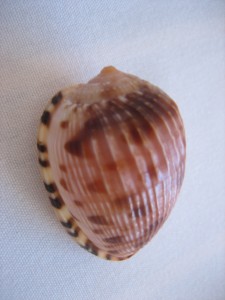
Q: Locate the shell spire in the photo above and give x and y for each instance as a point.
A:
(112, 154)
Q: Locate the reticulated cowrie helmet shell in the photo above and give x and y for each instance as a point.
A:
(112, 154)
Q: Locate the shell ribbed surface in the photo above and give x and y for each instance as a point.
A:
(117, 154)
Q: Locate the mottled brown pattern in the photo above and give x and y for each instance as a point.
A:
(94, 124)
(160, 119)
(64, 124)
(74, 147)
(122, 202)
(64, 184)
(96, 186)
(111, 166)
(78, 203)
(98, 231)
(62, 168)
(144, 116)
(105, 161)
(139, 122)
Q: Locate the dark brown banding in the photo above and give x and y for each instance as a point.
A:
(64, 184)
(168, 139)
(111, 121)
(74, 147)
(64, 124)
(43, 163)
(127, 159)
(56, 202)
(67, 224)
(91, 171)
(41, 147)
(96, 186)
(144, 116)
(122, 202)
(111, 166)
(100, 220)
(51, 188)
(168, 109)
(137, 121)
(46, 118)
(135, 135)
(93, 124)
(138, 212)
(114, 240)
(157, 114)
(57, 98)
(62, 168)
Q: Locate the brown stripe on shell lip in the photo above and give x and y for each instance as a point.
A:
(74, 233)
(43, 163)
(41, 147)
(46, 118)
(67, 224)
(57, 98)
(51, 188)
(56, 202)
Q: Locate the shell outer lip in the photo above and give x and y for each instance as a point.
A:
(61, 211)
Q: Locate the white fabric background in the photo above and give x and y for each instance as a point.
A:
(48, 45)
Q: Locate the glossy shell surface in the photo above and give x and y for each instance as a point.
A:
(112, 154)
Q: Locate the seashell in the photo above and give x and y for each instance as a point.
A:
(112, 154)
